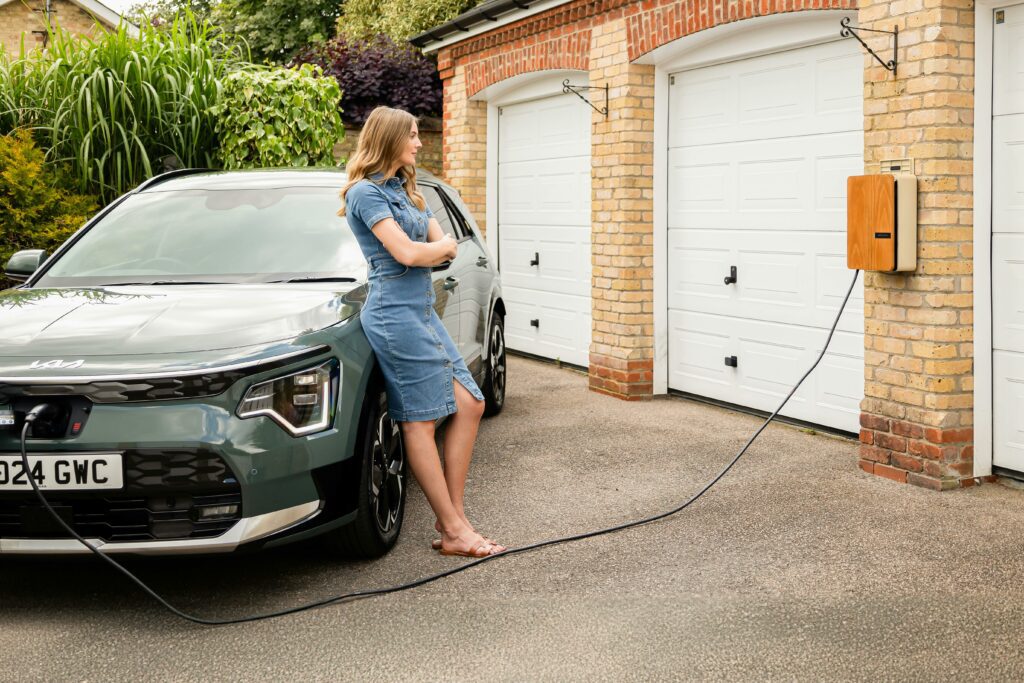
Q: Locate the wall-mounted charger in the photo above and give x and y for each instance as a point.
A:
(881, 222)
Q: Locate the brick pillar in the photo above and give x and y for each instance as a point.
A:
(917, 415)
(622, 215)
(464, 146)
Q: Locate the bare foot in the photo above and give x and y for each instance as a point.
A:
(470, 544)
(436, 543)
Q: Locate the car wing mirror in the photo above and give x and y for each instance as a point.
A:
(21, 266)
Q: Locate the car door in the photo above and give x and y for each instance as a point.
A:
(475, 280)
(446, 283)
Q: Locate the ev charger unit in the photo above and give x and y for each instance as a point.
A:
(881, 222)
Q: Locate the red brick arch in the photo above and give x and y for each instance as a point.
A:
(562, 52)
(653, 23)
(560, 38)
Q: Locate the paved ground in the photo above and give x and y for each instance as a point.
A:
(796, 566)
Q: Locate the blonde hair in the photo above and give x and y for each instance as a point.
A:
(382, 141)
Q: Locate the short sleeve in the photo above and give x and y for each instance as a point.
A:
(367, 203)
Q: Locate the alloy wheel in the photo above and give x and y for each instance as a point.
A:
(497, 361)
(387, 476)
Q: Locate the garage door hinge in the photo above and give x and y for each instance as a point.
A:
(566, 88)
(732, 361)
(671, 80)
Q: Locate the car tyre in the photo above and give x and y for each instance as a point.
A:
(382, 485)
(496, 373)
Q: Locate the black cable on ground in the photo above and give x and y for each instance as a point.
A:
(38, 410)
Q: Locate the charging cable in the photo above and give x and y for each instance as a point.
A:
(44, 409)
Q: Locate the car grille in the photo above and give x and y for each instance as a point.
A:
(164, 492)
(130, 391)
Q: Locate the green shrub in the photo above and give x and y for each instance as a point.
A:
(119, 109)
(279, 117)
(37, 211)
(397, 19)
(274, 30)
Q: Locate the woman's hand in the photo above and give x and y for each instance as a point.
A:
(451, 246)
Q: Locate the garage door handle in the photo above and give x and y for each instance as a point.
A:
(535, 261)
(450, 283)
(730, 279)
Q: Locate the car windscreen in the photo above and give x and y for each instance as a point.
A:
(223, 235)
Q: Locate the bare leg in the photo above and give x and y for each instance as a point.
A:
(459, 438)
(425, 463)
(460, 435)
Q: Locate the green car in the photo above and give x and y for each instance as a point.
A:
(211, 386)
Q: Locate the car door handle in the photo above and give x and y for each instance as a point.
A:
(450, 283)
(481, 261)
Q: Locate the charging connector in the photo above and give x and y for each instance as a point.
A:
(42, 410)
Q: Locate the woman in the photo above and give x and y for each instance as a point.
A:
(424, 374)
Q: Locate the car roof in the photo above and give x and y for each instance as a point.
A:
(200, 179)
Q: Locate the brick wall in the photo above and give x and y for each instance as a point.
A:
(464, 149)
(430, 153)
(622, 216)
(917, 416)
(20, 17)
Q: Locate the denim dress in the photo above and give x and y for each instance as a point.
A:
(417, 356)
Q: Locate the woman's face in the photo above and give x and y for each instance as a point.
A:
(412, 146)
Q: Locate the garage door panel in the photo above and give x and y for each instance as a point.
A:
(1008, 179)
(771, 358)
(546, 192)
(1008, 63)
(550, 128)
(564, 331)
(792, 93)
(1008, 293)
(544, 214)
(562, 255)
(1008, 410)
(757, 180)
(793, 184)
(773, 283)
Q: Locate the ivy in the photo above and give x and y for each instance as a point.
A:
(278, 117)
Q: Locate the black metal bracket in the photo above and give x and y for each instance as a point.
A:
(848, 31)
(575, 89)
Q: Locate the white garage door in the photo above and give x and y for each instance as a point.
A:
(1008, 240)
(544, 226)
(759, 153)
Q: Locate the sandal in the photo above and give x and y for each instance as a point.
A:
(436, 543)
(482, 549)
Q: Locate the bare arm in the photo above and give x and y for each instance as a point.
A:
(416, 254)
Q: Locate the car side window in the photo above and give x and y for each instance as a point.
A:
(437, 206)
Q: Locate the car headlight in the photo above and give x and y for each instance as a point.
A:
(302, 402)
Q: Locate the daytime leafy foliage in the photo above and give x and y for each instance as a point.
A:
(37, 210)
(162, 13)
(378, 71)
(397, 19)
(278, 117)
(276, 29)
(118, 108)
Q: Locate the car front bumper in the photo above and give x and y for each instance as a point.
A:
(245, 530)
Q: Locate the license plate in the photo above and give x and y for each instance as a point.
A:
(70, 472)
